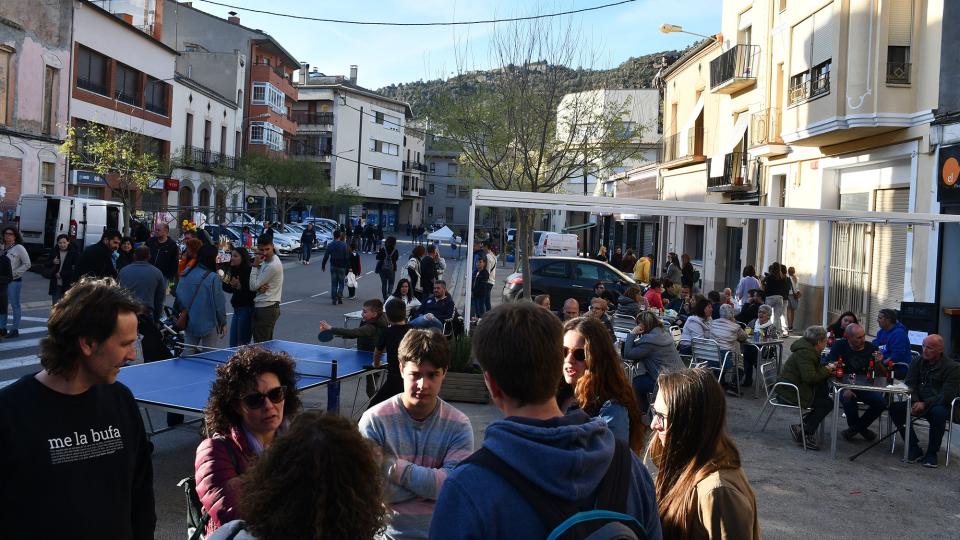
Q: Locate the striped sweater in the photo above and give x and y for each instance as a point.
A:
(418, 456)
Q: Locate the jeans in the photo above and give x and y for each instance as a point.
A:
(776, 302)
(58, 293)
(241, 328)
(337, 276)
(936, 416)
(820, 408)
(643, 386)
(209, 341)
(13, 296)
(423, 322)
(486, 297)
(875, 406)
(264, 319)
(305, 251)
(387, 278)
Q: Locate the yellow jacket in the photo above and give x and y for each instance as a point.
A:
(641, 270)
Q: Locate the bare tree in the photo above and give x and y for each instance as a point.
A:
(520, 128)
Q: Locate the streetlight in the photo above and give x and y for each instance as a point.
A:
(667, 28)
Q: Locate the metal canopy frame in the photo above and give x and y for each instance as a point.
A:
(492, 198)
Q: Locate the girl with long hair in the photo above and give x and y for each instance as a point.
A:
(387, 263)
(776, 287)
(592, 371)
(702, 491)
(236, 280)
(19, 264)
(62, 264)
(413, 271)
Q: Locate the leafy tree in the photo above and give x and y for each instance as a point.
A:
(120, 157)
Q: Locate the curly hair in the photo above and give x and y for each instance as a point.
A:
(237, 377)
(605, 379)
(321, 480)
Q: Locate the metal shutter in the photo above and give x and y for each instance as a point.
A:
(849, 260)
(889, 256)
(822, 49)
(647, 239)
(801, 41)
(900, 23)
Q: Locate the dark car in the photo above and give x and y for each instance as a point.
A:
(566, 277)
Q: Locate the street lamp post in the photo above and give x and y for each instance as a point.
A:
(667, 28)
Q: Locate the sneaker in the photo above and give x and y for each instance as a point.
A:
(915, 456)
(868, 434)
(795, 431)
(848, 434)
(929, 462)
(811, 444)
(13, 334)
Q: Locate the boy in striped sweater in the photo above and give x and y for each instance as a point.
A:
(420, 436)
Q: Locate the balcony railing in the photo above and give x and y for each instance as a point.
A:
(683, 145)
(205, 160)
(92, 86)
(735, 174)
(128, 99)
(765, 127)
(898, 72)
(158, 108)
(306, 118)
(734, 69)
(309, 148)
(809, 89)
(414, 166)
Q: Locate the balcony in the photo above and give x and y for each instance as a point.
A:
(765, 127)
(310, 148)
(303, 118)
(898, 72)
(205, 160)
(735, 174)
(274, 76)
(735, 69)
(809, 88)
(92, 86)
(685, 148)
(157, 108)
(128, 99)
(414, 166)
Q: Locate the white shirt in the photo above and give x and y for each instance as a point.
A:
(269, 273)
(491, 267)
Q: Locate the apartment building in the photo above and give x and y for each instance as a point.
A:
(34, 97)
(121, 78)
(447, 199)
(822, 104)
(414, 190)
(359, 134)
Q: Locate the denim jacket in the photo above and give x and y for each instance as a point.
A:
(208, 310)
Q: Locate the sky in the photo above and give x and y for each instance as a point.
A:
(387, 55)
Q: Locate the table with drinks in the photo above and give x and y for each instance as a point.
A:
(762, 341)
(878, 378)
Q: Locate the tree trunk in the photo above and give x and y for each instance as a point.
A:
(524, 246)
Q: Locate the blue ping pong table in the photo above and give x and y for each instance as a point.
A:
(182, 385)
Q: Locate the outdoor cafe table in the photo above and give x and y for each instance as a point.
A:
(760, 346)
(878, 385)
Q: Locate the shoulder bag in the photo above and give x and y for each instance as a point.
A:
(184, 318)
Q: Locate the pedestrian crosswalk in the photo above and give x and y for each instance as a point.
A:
(18, 356)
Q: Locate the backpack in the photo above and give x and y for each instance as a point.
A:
(601, 518)
(197, 517)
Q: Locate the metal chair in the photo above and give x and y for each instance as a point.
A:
(623, 323)
(768, 372)
(948, 428)
(707, 354)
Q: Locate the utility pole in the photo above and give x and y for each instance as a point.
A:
(360, 147)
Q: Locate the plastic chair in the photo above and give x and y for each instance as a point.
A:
(768, 372)
(707, 354)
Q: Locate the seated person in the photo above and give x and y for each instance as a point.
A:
(697, 325)
(728, 334)
(598, 310)
(372, 324)
(571, 310)
(726, 296)
(600, 291)
(857, 355)
(748, 313)
(436, 309)
(803, 369)
(892, 341)
(421, 438)
(669, 291)
(654, 295)
(404, 292)
(631, 302)
(934, 381)
(251, 402)
(683, 304)
(763, 327)
(653, 351)
(839, 327)
(389, 344)
(714, 297)
(542, 300)
(298, 488)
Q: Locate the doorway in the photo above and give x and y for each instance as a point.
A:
(734, 248)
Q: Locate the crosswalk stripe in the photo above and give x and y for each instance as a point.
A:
(8, 382)
(13, 345)
(20, 361)
(34, 319)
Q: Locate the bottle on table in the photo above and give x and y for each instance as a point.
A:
(871, 372)
(889, 371)
(838, 372)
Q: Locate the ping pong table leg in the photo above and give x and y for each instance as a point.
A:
(333, 390)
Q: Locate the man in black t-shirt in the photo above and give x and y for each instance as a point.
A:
(857, 353)
(75, 454)
(389, 343)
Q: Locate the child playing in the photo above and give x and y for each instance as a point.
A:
(372, 324)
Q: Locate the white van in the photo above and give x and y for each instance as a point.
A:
(558, 245)
(44, 217)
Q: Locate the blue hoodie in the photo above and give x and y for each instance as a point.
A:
(897, 343)
(566, 456)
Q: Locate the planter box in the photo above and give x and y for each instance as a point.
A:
(465, 387)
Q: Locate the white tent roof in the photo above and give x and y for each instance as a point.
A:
(443, 234)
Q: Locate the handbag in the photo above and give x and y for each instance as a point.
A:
(197, 516)
(184, 318)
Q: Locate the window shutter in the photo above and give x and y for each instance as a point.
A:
(823, 24)
(800, 46)
(746, 20)
(900, 21)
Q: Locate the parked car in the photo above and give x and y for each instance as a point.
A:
(284, 243)
(566, 277)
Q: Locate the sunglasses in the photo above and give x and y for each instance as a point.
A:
(654, 413)
(257, 399)
(579, 355)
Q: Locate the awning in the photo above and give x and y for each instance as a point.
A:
(683, 137)
(580, 227)
(728, 144)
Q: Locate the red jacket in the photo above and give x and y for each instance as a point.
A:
(218, 473)
(654, 299)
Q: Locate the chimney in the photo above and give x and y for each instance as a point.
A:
(304, 68)
(233, 19)
(353, 74)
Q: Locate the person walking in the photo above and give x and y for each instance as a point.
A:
(62, 265)
(236, 281)
(150, 287)
(387, 265)
(19, 264)
(673, 272)
(267, 279)
(793, 297)
(307, 238)
(601, 254)
(200, 294)
(629, 261)
(339, 259)
(616, 260)
(688, 276)
(776, 287)
(164, 253)
(748, 282)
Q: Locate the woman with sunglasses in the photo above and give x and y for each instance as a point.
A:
(702, 491)
(251, 402)
(593, 380)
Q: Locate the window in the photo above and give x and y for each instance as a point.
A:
(452, 168)
(463, 192)
(588, 272)
(223, 140)
(693, 241)
(449, 214)
(433, 167)
(389, 178)
(206, 136)
(92, 71)
(388, 121)
(267, 134)
(899, 39)
(267, 94)
(47, 182)
(553, 270)
(188, 136)
(810, 57)
(125, 84)
(384, 147)
(5, 57)
(783, 5)
(50, 83)
(451, 190)
(89, 192)
(430, 188)
(156, 96)
(374, 173)
(429, 211)
(236, 145)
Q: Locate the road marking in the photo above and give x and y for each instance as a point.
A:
(19, 361)
(34, 319)
(8, 382)
(368, 273)
(319, 294)
(291, 301)
(19, 344)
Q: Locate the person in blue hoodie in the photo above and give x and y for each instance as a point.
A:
(892, 341)
(519, 347)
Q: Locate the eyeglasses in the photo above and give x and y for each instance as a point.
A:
(579, 355)
(257, 399)
(655, 414)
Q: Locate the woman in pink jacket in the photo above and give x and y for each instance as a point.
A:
(251, 402)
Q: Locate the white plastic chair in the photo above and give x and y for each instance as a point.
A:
(768, 372)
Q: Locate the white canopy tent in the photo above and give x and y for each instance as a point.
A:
(607, 205)
(443, 234)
